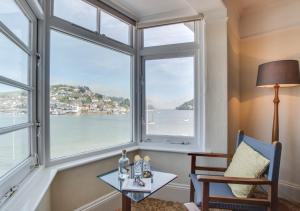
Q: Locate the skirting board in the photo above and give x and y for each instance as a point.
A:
(108, 202)
(112, 201)
(176, 192)
(289, 191)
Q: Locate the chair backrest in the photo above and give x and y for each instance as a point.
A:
(270, 151)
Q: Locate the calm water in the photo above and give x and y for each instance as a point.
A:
(14, 146)
(72, 134)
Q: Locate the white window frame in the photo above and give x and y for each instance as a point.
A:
(192, 49)
(58, 24)
(15, 176)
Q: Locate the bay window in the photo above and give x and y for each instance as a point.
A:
(17, 93)
(93, 87)
(172, 84)
(89, 96)
(90, 100)
(169, 96)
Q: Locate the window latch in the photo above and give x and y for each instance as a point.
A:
(35, 161)
(148, 140)
(38, 127)
(38, 56)
(8, 194)
(38, 59)
(178, 142)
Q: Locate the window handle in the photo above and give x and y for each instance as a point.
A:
(8, 194)
(178, 142)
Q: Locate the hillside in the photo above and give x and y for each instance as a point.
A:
(77, 99)
(189, 105)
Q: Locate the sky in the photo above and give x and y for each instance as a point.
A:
(13, 60)
(169, 82)
(73, 61)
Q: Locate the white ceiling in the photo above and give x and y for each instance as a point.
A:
(153, 10)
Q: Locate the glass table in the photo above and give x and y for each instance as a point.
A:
(159, 180)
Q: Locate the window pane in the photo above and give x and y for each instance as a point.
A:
(14, 148)
(169, 96)
(13, 106)
(78, 12)
(12, 16)
(89, 97)
(114, 28)
(169, 34)
(13, 61)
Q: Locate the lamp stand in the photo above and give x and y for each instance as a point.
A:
(276, 101)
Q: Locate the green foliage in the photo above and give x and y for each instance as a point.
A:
(83, 95)
(189, 105)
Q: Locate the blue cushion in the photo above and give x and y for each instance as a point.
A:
(216, 189)
(220, 189)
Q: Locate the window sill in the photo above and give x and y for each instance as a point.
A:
(36, 185)
(33, 189)
(167, 147)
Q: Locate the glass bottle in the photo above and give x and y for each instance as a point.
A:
(123, 166)
(138, 166)
(146, 167)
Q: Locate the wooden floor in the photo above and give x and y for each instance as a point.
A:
(151, 204)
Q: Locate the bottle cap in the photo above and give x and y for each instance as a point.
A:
(137, 157)
(146, 158)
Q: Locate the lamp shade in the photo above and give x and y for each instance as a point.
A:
(285, 73)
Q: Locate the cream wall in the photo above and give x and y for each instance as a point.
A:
(233, 41)
(257, 103)
(78, 186)
(45, 204)
(269, 16)
(216, 115)
(256, 114)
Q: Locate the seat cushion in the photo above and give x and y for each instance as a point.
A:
(246, 163)
(219, 189)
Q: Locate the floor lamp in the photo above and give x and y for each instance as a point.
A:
(276, 74)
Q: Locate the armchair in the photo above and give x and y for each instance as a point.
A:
(209, 191)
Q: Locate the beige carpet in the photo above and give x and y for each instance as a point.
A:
(151, 204)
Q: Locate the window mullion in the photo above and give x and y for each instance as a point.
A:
(10, 35)
(16, 84)
(99, 21)
(13, 128)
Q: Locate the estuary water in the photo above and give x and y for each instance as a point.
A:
(73, 134)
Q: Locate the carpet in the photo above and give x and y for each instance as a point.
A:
(152, 204)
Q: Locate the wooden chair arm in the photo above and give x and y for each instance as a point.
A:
(208, 168)
(209, 154)
(234, 180)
